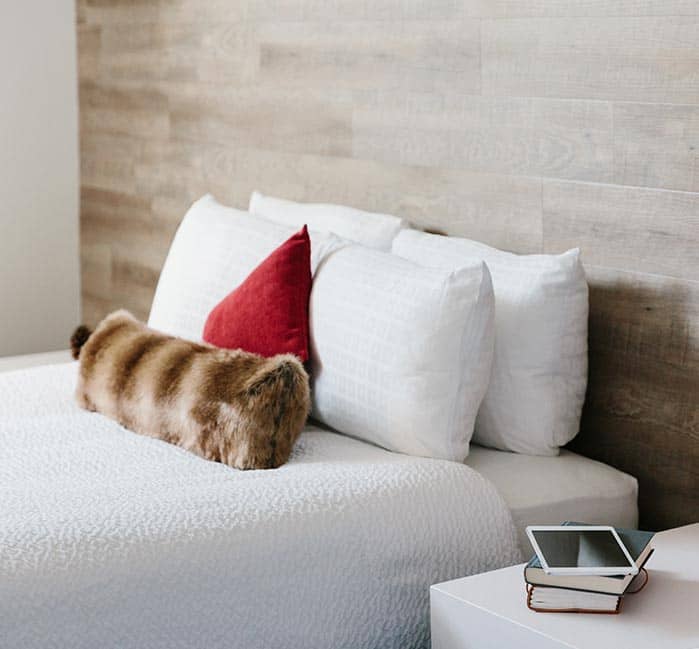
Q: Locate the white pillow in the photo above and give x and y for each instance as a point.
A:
(537, 388)
(214, 250)
(368, 228)
(400, 354)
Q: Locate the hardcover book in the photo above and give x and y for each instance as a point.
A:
(637, 542)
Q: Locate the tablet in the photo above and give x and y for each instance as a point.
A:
(581, 550)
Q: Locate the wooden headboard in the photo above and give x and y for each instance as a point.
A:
(532, 126)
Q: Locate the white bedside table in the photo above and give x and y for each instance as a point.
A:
(488, 611)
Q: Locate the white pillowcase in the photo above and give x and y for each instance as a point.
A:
(214, 250)
(400, 354)
(370, 229)
(536, 392)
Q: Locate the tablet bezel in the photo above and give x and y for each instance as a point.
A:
(631, 569)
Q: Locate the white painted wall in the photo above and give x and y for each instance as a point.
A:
(39, 187)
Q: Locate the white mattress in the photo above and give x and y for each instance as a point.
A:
(109, 539)
(549, 490)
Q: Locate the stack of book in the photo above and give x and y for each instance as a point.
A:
(588, 593)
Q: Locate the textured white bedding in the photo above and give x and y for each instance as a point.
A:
(109, 539)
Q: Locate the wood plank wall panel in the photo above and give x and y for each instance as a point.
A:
(633, 228)
(657, 145)
(533, 126)
(512, 135)
(630, 59)
(644, 382)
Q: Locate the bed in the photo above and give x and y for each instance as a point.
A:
(110, 539)
(114, 540)
(549, 490)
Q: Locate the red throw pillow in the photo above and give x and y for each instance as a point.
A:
(268, 313)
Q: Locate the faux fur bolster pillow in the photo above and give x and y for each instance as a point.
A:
(225, 405)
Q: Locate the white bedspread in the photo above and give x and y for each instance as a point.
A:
(112, 540)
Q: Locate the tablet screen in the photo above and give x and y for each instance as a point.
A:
(580, 549)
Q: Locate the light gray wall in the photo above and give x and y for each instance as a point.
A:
(39, 262)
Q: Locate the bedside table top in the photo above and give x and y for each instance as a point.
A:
(665, 615)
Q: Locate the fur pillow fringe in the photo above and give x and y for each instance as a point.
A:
(229, 406)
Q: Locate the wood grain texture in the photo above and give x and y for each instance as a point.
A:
(657, 145)
(501, 210)
(631, 59)
(170, 12)
(534, 137)
(641, 411)
(279, 118)
(130, 110)
(646, 230)
(532, 126)
(221, 53)
(422, 56)
(579, 8)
